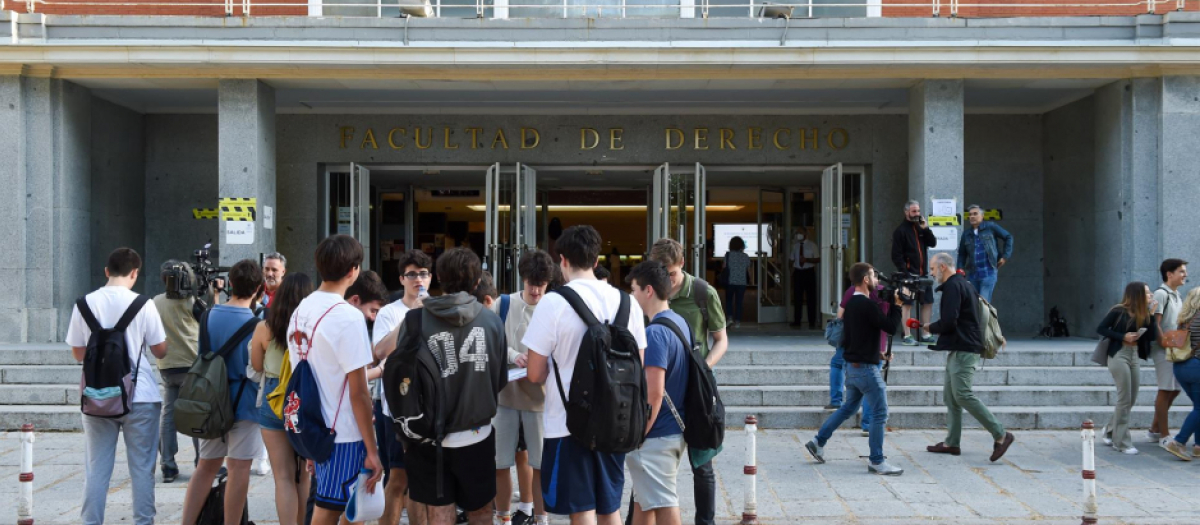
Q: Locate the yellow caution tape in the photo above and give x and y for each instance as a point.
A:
(238, 213)
(239, 201)
(993, 215)
(205, 213)
(948, 220)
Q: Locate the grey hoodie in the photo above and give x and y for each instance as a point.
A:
(467, 341)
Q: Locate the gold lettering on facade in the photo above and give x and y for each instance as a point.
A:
(474, 137)
(584, 135)
(701, 137)
(369, 138)
(755, 138)
(428, 138)
(678, 138)
(392, 139)
(526, 142)
(727, 138)
(805, 139)
(500, 139)
(845, 138)
(446, 133)
(775, 138)
(347, 134)
(615, 138)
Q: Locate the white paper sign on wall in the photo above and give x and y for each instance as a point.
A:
(944, 207)
(947, 237)
(239, 232)
(268, 217)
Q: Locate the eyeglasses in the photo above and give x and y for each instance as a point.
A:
(417, 275)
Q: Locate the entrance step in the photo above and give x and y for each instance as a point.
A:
(929, 375)
(40, 374)
(1012, 417)
(43, 417)
(905, 356)
(39, 395)
(36, 354)
(908, 395)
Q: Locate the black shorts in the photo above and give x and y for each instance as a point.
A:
(395, 450)
(391, 453)
(521, 447)
(468, 474)
(926, 298)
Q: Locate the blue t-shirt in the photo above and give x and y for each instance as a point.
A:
(223, 322)
(666, 351)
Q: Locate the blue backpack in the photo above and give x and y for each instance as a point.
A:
(303, 420)
(504, 303)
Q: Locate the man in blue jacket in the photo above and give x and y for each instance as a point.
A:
(979, 254)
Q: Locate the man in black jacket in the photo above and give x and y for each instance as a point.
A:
(863, 321)
(960, 334)
(910, 253)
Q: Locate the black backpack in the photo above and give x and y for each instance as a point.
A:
(607, 410)
(703, 411)
(108, 380)
(213, 511)
(415, 391)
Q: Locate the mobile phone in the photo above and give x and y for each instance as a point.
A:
(1141, 331)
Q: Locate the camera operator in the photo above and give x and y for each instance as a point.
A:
(910, 253)
(180, 322)
(863, 322)
(959, 333)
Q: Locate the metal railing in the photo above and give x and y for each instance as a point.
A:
(615, 8)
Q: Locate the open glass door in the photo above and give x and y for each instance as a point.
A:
(524, 225)
(771, 257)
(698, 201)
(494, 249)
(832, 239)
(359, 211)
(660, 205)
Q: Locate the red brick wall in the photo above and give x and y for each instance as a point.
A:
(161, 7)
(1017, 8)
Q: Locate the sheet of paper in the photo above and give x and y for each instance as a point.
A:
(517, 373)
(944, 207)
(268, 217)
(947, 237)
(239, 232)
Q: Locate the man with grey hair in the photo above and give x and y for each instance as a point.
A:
(960, 334)
(274, 268)
(910, 253)
(980, 255)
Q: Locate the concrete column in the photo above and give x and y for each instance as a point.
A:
(935, 145)
(1179, 188)
(246, 130)
(47, 174)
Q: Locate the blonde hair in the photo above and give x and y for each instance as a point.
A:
(1191, 306)
(667, 251)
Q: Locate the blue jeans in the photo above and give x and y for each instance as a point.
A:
(1188, 375)
(734, 294)
(984, 286)
(837, 384)
(862, 384)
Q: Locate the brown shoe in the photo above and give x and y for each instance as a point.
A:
(998, 449)
(941, 448)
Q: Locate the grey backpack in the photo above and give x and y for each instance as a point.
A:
(203, 409)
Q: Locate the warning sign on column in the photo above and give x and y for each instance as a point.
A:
(239, 232)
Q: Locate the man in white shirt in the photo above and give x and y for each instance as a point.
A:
(333, 337)
(586, 484)
(1166, 314)
(804, 279)
(140, 425)
(416, 267)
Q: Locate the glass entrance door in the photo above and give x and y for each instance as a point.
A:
(833, 239)
(771, 257)
(511, 221)
(525, 226)
(698, 201)
(348, 207)
(677, 200)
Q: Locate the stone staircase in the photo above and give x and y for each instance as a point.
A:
(1041, 384)
(781, 379)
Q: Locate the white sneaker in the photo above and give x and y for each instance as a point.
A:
(262, 467)
(1153, 437)
(1163, 442)
(885, 469)
(1104, 436)
(1130, 451)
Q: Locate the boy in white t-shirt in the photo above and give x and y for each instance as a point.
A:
(340, 352)
(416, 268)
(140, 425)
(586, 484)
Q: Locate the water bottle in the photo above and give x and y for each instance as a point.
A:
(421, 292)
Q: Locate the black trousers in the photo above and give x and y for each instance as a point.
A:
(804, 293)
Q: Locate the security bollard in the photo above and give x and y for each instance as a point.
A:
(750, 512)
(25, 501)
(1089, 472)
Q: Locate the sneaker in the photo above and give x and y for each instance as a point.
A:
(262, 467)
(1105, 437)
(520, 518)
(169, 476)
(815, 450)
(1130, 451)
(832, 406)
(1176, 448)
(909, 341)
(866, 433)
(884, 469)
(928, 340)
(1196, 451)
(1153, 437)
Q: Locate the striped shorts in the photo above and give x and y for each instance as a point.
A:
(338, 474)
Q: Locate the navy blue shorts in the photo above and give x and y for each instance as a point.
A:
(575, 479)
(338, 474)
(391, 453)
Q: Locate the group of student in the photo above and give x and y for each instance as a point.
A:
(322, 332)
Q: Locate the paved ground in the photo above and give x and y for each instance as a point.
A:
(1038, 481)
